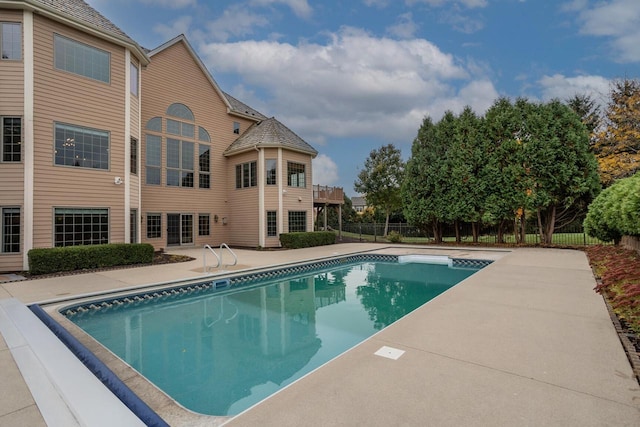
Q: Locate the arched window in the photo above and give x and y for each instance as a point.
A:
(181, 111)
(203, 135)
(155, 124)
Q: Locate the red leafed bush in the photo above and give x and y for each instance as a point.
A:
(619, 272)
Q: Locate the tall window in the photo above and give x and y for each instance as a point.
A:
(133, 220)
(271, 171)
(272, 225)
(297, 221)
(204, 228)
(295, 175)
(81, 147)
(133, 79)
(134, 156)
(78, 226)
(179, 163)
(84, 60)
(204, 164)
(154, 226)
(10, 230)
(236, 128)
(11, 136)
(246, 175)
(153, 159)
(11, 40)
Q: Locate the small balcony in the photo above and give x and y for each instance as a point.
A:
(323, 195)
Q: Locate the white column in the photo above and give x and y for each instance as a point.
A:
(281, 185)
(127, 146)
(261, 186)
(28, 138)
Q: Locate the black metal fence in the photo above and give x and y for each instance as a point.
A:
(572, 235)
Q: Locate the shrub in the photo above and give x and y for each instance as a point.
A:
(70, 258)
(394, 237)
(307, 240)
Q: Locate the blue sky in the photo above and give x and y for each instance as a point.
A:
(350, 76)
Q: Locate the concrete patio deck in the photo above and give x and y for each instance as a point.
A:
(525, 341)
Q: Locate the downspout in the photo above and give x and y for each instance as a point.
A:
(261, 212)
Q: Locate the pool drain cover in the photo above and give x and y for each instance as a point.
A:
(389, 352)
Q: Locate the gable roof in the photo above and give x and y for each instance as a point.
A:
(240, 107)
(269, 133)
(78, 14)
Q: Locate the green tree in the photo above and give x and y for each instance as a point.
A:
(617, 145)
(589, 112)
(380, 180)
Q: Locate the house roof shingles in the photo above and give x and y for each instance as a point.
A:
(269, 133)
(242, 108)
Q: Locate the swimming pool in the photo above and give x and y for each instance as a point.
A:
(218, 347)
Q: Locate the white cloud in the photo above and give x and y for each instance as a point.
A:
(325, 170)
(618, 20)
(471, 4)
(235, 21)
(563, 88)
(355, 85)
(405, 27)
(171, 4)
(300, 7)
(177, 27)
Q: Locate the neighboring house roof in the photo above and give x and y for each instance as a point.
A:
(242, 108)
(358, 201)
(77, 13)
(269, 133)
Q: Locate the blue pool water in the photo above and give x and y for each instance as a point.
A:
(220, 352)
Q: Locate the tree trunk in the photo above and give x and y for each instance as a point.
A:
(546, 224)
(500, 236)
(475, 229)
(456, 225)
(523, 227)
(386, 224)
(437, 231)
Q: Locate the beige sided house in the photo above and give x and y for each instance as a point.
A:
(103, 141)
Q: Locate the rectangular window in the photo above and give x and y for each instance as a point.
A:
(153, 159)
(180, 163)
(154, 226)
(246, 175)
(204, 228)
(204, 164)
(236, 128)
(133, 220)
(81, 59)
(11, 40)
(272, 225)
(271, 171)
(297, 221)
(133, 79)
(134, 156)
(295, 175)
(11, 135)
(175, 127)
(186, 226)
(10, 230)
(81, 147)
(79, 226)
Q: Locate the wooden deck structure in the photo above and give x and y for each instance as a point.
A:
(325, 197)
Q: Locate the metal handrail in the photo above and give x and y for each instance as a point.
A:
(204, 258)
(235, 258)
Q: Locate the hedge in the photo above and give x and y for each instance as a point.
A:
(70, 258)
(307, 240)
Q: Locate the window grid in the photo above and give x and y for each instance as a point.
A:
(204, 225)
(246, 175)
(186, 222)
(153, 159)
(272, 224)
(81, 59)
(11, 40)
(271, 171)
(180, 163)
(10, 230)
(204, 164)
(134, 156)
(81, 227)
(133, 220)
(81, 147)
(154, 226)
(11, 133)
(296, 175)
(297, 221)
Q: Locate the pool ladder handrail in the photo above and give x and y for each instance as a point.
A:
(218, 257)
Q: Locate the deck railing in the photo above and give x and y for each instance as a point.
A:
(331, 195)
